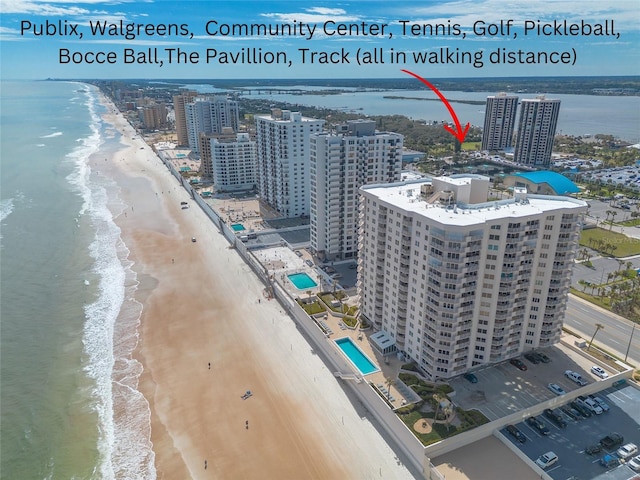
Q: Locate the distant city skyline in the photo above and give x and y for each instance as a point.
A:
(27, 54)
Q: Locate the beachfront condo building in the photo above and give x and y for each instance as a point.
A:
(283, 160)
(499, 120)
(343, 160)
(233, 162)
(153, 116)
(210, 115)
(458, 281)
(536, 131)
(179, 102)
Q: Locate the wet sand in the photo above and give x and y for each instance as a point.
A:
(203, 305)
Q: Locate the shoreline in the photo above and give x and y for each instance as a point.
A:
(200, 307)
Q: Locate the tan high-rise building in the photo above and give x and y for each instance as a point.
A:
(179, 102)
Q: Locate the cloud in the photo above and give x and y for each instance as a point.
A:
(10, 35)
(466, 12)
(37, 8)
(313, 15)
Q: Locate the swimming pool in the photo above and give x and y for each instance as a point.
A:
(302, 281)
(356, 356)
(237, 227)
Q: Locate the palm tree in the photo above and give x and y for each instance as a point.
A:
(598, 327)
(609, 212)
(613, 215)
(388, 381)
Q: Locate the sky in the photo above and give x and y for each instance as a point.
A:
(337, 39)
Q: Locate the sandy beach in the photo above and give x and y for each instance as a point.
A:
(208, 335)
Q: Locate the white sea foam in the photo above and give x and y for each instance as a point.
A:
(40, 145)
(6, 207)
(51, 135)
(110, 334)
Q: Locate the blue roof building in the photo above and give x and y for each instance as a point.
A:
(542, 182)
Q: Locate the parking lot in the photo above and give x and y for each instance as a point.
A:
(569, 443)
(503, 389)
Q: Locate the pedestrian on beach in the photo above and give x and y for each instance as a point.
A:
(209, 365)
(205, 464)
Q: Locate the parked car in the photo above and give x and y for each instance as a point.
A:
(590, 404)
(609, 461)
(603, 405)
(519, 364)
(538, 424)
(584, 411)
(634, 463)
(470, 377)
(532, 357)
(543, 357)
(555, 388)
(517, 434)
(627, 451)
(611, 441)
(555, 417)
(571, 413)
(598, 371)
(546, 460)
(593, 449)
(576, 377)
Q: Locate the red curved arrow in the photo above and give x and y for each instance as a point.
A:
(459, 133)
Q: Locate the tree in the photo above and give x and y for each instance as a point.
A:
(598, 327)
(613, 216)
(583, 284)
(388, 381)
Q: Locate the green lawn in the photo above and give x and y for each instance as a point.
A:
(625, 246)
(469, 146)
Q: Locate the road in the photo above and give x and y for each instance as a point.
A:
(581, 317)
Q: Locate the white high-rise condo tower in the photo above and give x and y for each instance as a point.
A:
(457, 281)
(283, 160)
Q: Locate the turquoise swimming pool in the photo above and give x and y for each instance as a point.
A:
(356, 356)
(237, 227)
(302, 281)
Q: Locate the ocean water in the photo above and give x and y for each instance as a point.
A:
(69, 403)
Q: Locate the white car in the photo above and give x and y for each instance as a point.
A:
(603, 405)
(626, 451)
(598, 371)
(546, 460)
(592, 405)
(634, 463)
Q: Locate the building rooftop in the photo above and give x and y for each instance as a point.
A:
(559, 183)
(408, 196)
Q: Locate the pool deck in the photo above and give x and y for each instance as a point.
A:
(282, 261)
(388, 370)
